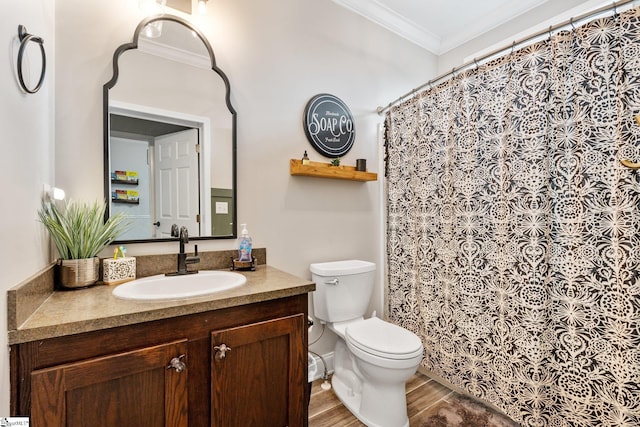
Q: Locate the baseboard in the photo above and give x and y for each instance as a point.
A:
(316, 367)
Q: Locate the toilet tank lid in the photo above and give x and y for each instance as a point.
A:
(342, 268)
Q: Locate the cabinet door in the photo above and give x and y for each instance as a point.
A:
(260, 381)
(136, 388)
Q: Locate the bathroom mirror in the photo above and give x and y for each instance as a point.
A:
(169, 135)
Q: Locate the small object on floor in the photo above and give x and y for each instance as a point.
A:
(326, 385)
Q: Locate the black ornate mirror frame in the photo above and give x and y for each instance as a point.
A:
(106, 126)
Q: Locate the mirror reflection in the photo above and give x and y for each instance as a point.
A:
(170, 135)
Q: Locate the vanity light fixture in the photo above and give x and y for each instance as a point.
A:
(152, 7)
(202, 7)
(149, 8)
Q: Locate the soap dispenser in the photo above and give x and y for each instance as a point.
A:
(244, 245)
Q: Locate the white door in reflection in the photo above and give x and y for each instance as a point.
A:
(176, 179)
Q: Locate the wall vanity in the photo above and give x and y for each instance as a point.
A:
(233, 358)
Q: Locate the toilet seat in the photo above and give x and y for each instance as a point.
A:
(340, 328)
(383, 339)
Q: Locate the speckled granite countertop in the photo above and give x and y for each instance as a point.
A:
(70, 312)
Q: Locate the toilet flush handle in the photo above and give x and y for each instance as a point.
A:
(332, 282)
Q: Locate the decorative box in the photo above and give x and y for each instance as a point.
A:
(120, 270)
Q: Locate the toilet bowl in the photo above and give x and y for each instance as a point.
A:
(376, 359)
(372, 358)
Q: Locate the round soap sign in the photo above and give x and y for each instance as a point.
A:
(329, 125)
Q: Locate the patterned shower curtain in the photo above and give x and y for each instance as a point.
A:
(513, 232)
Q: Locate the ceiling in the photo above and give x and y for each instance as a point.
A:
(440, 25)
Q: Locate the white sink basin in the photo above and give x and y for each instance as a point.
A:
(161, 287)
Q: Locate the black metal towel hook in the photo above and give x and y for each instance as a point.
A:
(24, 39)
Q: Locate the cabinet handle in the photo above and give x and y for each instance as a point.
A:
(177, 364)
(221, 351)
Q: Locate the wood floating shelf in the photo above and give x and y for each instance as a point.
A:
(325, 170)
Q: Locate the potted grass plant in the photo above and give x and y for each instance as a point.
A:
(79, 232)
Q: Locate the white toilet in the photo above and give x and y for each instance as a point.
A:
(373, 359)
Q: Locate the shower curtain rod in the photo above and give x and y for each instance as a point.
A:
(476, 61)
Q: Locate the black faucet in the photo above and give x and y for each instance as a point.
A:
(183, 259)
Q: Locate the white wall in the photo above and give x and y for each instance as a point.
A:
(26, 162)
(277, 55)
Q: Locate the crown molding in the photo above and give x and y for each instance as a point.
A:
(498, 17)
(386, 17)
(394, 22)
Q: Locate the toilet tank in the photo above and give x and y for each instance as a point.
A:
(343, 289)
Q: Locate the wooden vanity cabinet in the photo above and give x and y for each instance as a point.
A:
(131, 376)
(130, 388)
(260, 359)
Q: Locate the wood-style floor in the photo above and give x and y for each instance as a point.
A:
(423, 393)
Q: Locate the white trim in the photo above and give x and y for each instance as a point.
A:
(498, 18)
(387, 18)
(203, 124)
(317, 362)
(394, 22)
(173, 53)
